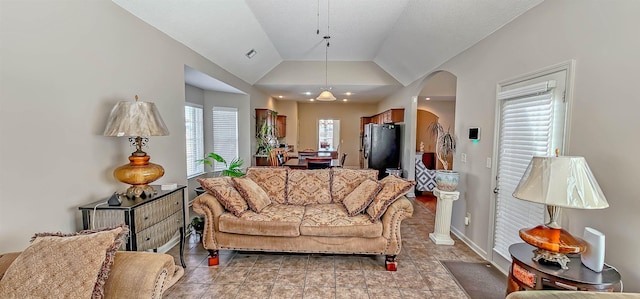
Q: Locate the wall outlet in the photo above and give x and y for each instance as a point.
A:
(488, 163)
(463, 157)
(467, 219)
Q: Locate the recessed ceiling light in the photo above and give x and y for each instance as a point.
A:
(280, 97)
(348, 93)
(344, 100)
(308, 93)
(428, 99)
(251, 53)
(311, 100)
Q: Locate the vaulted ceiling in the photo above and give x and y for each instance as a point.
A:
(376, 46)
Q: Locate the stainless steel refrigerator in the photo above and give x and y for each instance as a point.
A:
(381, 147)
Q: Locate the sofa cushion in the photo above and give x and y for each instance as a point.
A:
(58, 265)
(392, 188)
(306, 187)
(256, 197)
(345, 180)
(331, 220)
(360, 198)
(274, 220)
(223, 190)
(272, 180)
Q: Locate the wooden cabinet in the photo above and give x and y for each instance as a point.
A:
(386, 117)
(281, 126)
(265, 130)
(363, 121)
(265, 121)
(393, 116)
(152, 222)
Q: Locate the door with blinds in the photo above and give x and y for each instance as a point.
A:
(532, 121)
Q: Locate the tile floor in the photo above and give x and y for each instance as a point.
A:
(279, 275)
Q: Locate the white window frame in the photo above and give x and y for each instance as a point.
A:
(335, 138)
(225, 134)
(197, 138)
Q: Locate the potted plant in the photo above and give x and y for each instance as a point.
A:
(447, 180)
(265, 139)
(233, 169)
(197, 223)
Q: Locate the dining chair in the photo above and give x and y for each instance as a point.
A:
(342, 159)
(277, 156)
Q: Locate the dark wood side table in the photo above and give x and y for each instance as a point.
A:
(526, 274)
(152, 222)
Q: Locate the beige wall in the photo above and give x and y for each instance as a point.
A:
(603, 114)
(64, 65)
(349, 115)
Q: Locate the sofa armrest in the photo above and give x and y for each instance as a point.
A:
(5, 261)
(397, 211)
(136, 274)
(556, 294)
(207, 205)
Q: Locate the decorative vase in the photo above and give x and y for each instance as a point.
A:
(447, 180)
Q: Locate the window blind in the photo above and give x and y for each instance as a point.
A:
(225, 135)
(527, 128)
(194, 138)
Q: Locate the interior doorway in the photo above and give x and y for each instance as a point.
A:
(435, 102)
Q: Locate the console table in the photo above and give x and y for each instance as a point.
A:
(526, 274)
(152, 222)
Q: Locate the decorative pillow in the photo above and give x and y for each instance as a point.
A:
(222, 189)
(306, 187)
(361, 197)
(345, 180)
(272, 180)
(58, 265)
(252, 193)
(392, 188)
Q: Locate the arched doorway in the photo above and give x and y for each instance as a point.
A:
(435, 102)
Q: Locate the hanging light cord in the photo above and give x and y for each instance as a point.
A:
(318, 19)
(326, 52)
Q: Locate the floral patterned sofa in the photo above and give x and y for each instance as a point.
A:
(342, 211)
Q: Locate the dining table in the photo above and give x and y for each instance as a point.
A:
(302, 163)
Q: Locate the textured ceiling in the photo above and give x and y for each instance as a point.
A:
(404, 38)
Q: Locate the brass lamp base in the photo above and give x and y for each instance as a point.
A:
(549, 256)
(140, 191)
(139, 173)
(552, 244)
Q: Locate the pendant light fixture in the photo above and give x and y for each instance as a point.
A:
(326, 94)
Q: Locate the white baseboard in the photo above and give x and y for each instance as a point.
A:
(482, 253)
(173, 242)
(469, 243)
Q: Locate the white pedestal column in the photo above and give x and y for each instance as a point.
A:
(442, 229)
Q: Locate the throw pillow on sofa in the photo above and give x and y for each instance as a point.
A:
(256, 197)
(223, 190)
(360, 198)
(58, 265)
(345, 180)
(272, 180)
(392, 188)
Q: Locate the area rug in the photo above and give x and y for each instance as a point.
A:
(479, 280)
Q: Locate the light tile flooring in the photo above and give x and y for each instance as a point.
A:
(279, 275)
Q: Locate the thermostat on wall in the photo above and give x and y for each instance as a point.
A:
(474, 134)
